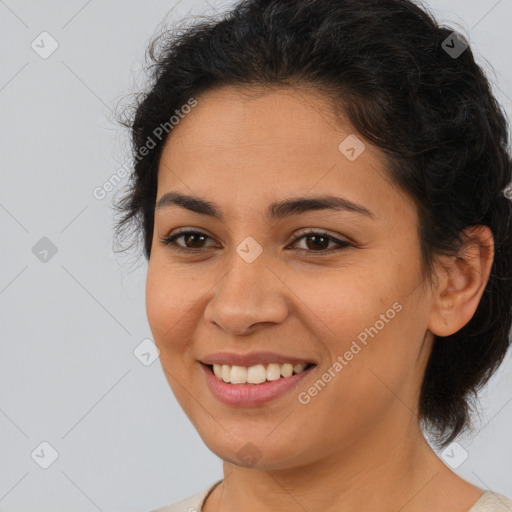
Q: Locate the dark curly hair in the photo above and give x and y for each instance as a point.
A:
(386, 65)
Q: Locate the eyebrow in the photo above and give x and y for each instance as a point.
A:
(277, 210)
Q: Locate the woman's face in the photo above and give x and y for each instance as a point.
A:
(359, 313)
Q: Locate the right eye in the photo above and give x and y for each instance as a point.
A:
(189, 237)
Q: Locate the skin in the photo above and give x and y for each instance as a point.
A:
(357, 445)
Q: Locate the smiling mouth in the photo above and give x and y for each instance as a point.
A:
(257, 374)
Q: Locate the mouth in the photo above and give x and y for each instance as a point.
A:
(254, 386)
(256, 374)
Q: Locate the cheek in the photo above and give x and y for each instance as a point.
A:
(158, 300)
(169, 309)
(352, 302)
(370, 323)
(169, 302)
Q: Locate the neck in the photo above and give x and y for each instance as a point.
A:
(382, 471)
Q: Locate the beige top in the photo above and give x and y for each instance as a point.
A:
(489, 502)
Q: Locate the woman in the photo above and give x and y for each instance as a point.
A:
(321, 188)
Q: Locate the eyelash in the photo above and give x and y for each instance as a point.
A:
(171, 241)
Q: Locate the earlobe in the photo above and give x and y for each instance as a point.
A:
(461, 282)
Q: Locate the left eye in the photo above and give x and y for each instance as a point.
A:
(320, 240)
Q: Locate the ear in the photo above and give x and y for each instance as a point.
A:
(461, 282)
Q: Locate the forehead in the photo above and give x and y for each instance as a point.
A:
(235, 118)
(261, 143)
(279, 133)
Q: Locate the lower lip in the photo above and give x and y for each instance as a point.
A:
(248, 395)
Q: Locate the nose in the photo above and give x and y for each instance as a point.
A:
(249, 294)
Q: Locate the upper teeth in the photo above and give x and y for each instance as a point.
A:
(255, 374)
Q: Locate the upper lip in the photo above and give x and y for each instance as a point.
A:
(252, 358)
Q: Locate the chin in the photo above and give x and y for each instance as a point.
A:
(254, 454)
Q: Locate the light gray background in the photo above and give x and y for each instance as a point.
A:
(69, 326)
